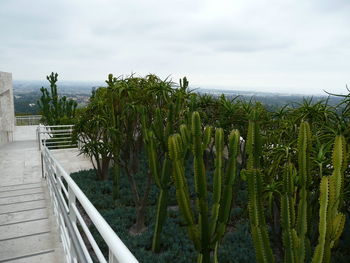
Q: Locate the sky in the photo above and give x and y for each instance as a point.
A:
(289, 46)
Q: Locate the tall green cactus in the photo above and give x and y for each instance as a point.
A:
(304, 149)
(331, 220)
(56, 110)
(156, 132)
(112, 102)
(294, 224)
(294, 201)
(288, 213)
(205, 228)
(255, 190)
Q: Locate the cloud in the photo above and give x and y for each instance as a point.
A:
(275, 44)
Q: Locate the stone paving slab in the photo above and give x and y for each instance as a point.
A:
(22, 198)
(28, 231)
(65, 157)
(26, 246)
(26, 206)
(20, 187)
(13, 193)
(46, 256)
(17, 217)
(20, 229)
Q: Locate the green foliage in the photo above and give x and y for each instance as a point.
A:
(175, 246)
(288, 155)
(93, 129)
(158, 157)
(56, 110)
(295, 198)
(255, 189)
(331, 220)
(205, 229)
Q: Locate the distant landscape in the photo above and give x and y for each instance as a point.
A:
(27, 93)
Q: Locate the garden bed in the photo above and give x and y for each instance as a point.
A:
(236, 246)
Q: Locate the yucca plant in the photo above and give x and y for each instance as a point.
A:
(205, 226)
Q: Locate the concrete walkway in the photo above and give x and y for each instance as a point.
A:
(71, 160)
(28, 232)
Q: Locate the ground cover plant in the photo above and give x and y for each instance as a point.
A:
(175, 245)
(269, 186)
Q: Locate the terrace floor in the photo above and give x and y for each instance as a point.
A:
(28, 230)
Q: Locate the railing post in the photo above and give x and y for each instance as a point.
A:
(39, 136)
(72, 217)
(71, 203)
(111, 257)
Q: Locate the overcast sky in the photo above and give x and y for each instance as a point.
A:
(295, 46)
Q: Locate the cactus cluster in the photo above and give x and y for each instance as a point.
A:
(254, 177)
(294, 200)
(331, 220)
(56, 110)
(205, 228)
(295, 223)
(159, 163)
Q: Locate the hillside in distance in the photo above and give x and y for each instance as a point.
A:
(67, 87)
(27, 93)
(271, 100)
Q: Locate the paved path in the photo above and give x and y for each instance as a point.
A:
(71, 160)
(28, 232)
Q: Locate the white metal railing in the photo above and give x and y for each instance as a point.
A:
(56, 136)
(28, 120)
(70, 204)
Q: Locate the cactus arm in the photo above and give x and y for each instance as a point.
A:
(254, 179)
(160, 171)
(205, 229)
(250, 145)
(287, 214)
(219, 148)
(186, 138)
(206, 137)
(337, 180)
(152, 158)
(158, 127)
(303, 152)
(287, 236)
(331, 221)
(160, 218)
(201, 183)
(304, 148)
(320, 249)
(253, 141)
(162, 203)
(257, 217)
(231, 172)
(178, 174)
(182, 193)
(169, 128)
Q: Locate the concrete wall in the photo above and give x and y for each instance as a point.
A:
(7, 110)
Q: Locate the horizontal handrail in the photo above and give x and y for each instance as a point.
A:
(64, 195)
(56, 126)
(28, 116)
(28, 120)
(56, 136)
